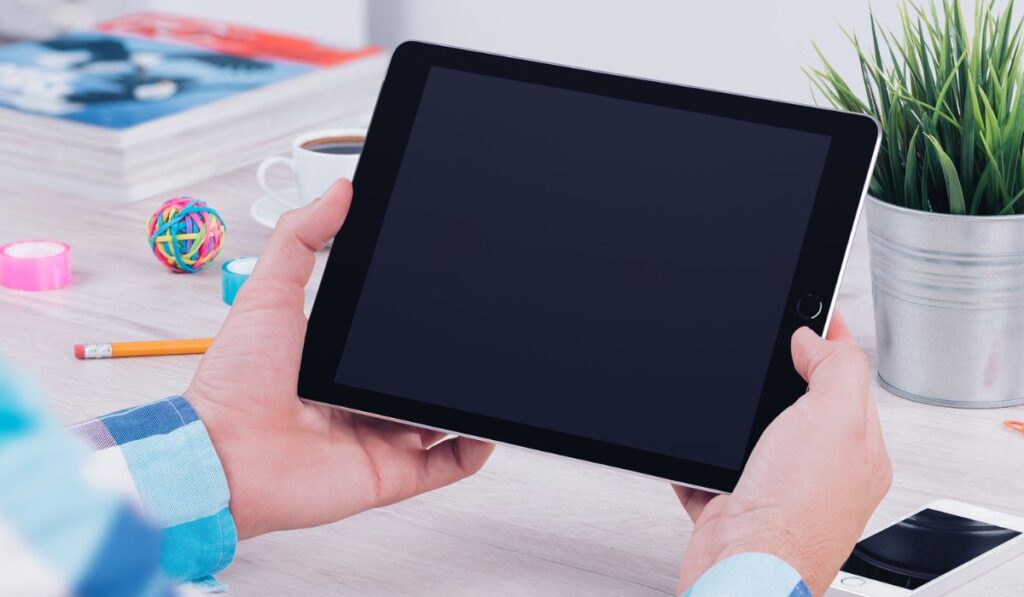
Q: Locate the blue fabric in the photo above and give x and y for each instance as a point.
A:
(177, 474)
(63, 528)
(179, 480)
(12, 421)
(126, 564)
(75, 537)
(45, 501)
(16, 417)
(208, 584)
(199, 548)
(750, 575)
(157, 418)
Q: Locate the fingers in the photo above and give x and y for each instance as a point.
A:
(693, 500)
(452, 460)
(429, 437)
(289, 254)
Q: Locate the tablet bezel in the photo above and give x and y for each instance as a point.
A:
(822, 257)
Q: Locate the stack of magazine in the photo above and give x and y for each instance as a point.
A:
(148, 103)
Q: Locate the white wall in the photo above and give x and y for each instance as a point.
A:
(749, 46)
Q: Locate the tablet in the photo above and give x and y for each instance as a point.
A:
(591, 265)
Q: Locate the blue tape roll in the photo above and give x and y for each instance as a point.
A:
(234, 273)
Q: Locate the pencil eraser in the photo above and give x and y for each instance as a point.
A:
(79, 351)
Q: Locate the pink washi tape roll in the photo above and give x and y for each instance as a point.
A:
(35, 265)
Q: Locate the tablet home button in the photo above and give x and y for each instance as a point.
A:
(809, 306)
(853, 581)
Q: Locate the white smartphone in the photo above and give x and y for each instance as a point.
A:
(930, 552)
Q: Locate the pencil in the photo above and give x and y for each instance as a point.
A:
(142, 349)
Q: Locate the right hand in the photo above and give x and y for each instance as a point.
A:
(290, 463)
(814, 478)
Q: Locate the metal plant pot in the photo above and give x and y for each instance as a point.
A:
(949, 305)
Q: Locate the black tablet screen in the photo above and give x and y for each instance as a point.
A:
(596, 266)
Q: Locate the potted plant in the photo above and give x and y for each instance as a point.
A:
(945, 213)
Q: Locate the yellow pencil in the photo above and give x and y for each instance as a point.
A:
(142, 349)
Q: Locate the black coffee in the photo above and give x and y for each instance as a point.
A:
(336, 145)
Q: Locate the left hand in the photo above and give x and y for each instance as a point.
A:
(814, 478)
(290, 463)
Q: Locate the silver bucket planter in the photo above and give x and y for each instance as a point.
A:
(949, 305)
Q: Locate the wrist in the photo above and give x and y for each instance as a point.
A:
(222, 438)
(804, 550)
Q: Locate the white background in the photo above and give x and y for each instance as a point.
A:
(748, 46)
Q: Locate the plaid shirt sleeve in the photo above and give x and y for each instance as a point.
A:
(60, 535)
(750, 575)
(66, 529)
(161, 455)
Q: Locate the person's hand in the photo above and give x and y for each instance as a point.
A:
(289, 463)
(812, 481)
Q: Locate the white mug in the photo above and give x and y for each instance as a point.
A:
(314, 171)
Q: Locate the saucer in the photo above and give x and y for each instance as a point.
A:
(266, 210)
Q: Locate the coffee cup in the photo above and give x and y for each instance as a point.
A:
(317, 159)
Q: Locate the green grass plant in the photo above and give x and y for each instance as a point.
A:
(947, 94)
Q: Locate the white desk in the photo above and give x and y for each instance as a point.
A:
(527, 524)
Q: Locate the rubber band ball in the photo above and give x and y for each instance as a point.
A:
(185, 234)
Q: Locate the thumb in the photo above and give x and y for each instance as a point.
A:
(289, 254)
(832, 367)
(450, 461)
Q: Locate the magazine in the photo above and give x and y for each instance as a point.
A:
(138, 104)
(120, 82)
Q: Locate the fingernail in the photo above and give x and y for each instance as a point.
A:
(334, 186)
(814, 334)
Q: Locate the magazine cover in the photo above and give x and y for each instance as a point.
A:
(229, 38)
(139, 68)
(119, 82)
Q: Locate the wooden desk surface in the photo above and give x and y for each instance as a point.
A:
(527, 524)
